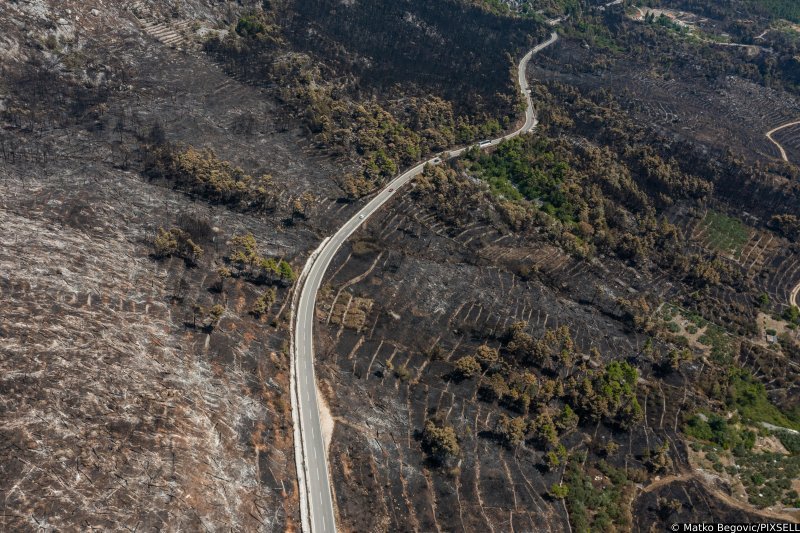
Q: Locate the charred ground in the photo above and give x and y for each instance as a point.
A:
(560, 330)
(495, 294)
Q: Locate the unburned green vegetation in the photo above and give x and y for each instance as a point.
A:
(251, 265)
(725, 233)
(749, 397)
(593, 505)
(720, 343)
(717, 429)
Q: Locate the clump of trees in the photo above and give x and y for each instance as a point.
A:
(792, 315)
(255, 25)
(787, 225)
(558, 492)
(520, 377)
(609, 394)
(717, 429)
(264, 302)
(554, 351)
(511, 431)
(657, 459)
(468, 367)
(201, 172)
(176, 243)
(247, 263)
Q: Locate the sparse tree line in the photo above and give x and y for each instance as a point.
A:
(247, 263)
(201, 172)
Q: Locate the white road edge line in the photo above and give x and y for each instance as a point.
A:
(299, 448)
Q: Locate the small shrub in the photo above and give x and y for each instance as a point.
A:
(558, 492)
(440, 441)
(264, 302)
(468, 367)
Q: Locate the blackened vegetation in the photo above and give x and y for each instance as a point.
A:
(522, 263)
(460, 52)
(669, 169)
(598, 183)
(787, 225)
(614, 38)
(46, 96)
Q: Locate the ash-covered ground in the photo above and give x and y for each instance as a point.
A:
(118, 411)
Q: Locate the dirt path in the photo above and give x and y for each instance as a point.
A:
(793, 295)
(703, 479)
(666, 481)
(783, 152)
(733, 502)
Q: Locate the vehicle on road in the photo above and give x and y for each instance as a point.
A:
(391, 189)
(484, 143)
(362, 215)
(437, 160)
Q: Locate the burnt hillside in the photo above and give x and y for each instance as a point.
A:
(441, 46)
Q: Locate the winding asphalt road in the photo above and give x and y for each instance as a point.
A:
(318, 513)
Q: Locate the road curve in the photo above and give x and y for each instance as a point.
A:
(776, 143)
(793, 295)
(312, 463)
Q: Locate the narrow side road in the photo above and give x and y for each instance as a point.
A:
(776, 143)
(793, 295)
(317, 510)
